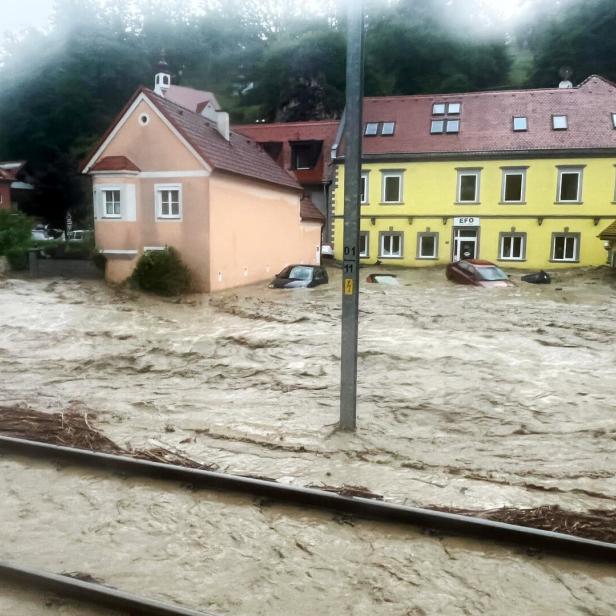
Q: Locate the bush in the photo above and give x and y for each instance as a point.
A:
(15, 232)
(162, 272)
(18, 259)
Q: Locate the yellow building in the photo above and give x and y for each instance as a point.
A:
(523, 178)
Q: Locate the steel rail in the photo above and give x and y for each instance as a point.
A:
(567, 545)
(91, 593)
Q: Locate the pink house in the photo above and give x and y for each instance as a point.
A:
(165, 174)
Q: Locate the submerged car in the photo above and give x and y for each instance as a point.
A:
(390, 279)
(300, 276)
(478, 273)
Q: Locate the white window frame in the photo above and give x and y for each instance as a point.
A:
(576, 247)
(391, 128)
(371, 129)
(434, 123)
(420, 237)
(390, 174)
(366, 253)
(450, 123)
(501, 245)
(519, 129)
(391, 255)
(513, 171)
(461, 174)
(439, 108)
(452, 106)
(560, 122)
(365, 178)
(579, 171)
(158, 190)
(105, 188)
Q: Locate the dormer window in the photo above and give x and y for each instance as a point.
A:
(520, 123)
(388, 128)
(453, 108)
(372, 128)
(305, 154)
(559, 122)
(438, 109)
(452, 126)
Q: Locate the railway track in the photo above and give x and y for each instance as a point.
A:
(92, 593)
(480, 529)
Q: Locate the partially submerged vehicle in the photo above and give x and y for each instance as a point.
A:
(478, 273)
(300, 276)
(389, 279)
(540, 277)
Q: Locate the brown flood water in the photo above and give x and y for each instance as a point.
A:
(468, 398)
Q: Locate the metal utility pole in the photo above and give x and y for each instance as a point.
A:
(352, 189)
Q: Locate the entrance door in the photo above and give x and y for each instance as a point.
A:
(464, 244)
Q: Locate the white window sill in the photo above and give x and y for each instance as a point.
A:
(112, 217)
(390, 257)
(169, 218)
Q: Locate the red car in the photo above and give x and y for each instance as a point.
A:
(478, 273)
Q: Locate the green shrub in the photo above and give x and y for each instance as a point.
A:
(18, 259)
(162, 272)
(15, 232)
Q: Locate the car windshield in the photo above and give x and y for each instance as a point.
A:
(491, 273)
(297, 272)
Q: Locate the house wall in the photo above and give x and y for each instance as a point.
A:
(429, 204)
(162, 159)
(255, 231)
(5, 196)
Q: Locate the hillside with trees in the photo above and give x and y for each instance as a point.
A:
(265, 60)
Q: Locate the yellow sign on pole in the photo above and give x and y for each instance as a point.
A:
(348, 286)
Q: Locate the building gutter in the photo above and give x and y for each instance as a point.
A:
(479, 155)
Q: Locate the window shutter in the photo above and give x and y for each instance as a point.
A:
(129, 202)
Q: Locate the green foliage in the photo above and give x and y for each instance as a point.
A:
(579, 35)
(15, 232)
(162, 272)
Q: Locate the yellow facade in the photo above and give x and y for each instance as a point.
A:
(552, 233)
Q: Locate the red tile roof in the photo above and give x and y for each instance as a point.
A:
(239, 155)
(288, 132)
(486, 120)
(115, 163)
(190, 98)
(309, 212)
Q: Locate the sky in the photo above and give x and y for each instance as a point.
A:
(21, 14)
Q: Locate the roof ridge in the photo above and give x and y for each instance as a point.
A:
(297, 123)
(500, 91)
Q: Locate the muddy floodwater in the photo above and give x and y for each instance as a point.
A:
(238, 556)
(467, 397)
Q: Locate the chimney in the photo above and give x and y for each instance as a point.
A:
(219, 118)
(162, 80)
(565, 73)
(222, 124)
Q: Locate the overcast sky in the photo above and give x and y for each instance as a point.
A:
(19, 14)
